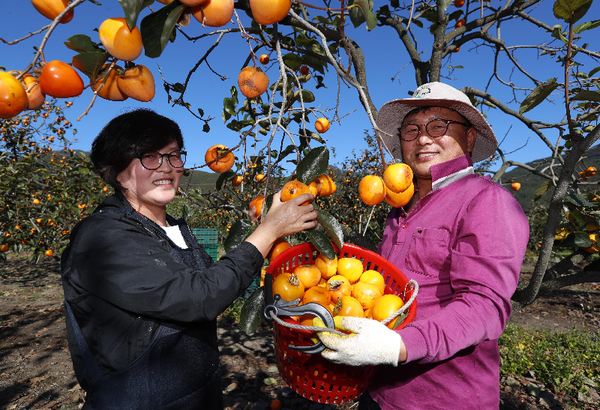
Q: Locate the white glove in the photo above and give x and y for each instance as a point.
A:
(371, 344)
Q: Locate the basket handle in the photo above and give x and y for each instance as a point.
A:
(268, 289)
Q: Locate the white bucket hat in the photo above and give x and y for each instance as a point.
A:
(391, 115)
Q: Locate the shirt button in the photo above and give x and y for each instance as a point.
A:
(404, 226)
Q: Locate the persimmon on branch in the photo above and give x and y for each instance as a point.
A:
(50, 29)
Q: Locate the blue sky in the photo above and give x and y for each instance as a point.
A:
(385, 55)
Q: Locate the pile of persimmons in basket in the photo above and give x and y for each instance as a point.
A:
(341, 286)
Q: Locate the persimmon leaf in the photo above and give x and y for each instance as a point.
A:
(332, 227)
(321, 242)
(251, 314)
(571, 11)
(90, 63)
(132, 9)
(237, 234)
(82, 43)
(538, 95)
(313, 164)
(156, 28)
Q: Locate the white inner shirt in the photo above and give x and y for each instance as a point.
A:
(175, 235)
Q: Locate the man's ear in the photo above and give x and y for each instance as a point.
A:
(471, 137)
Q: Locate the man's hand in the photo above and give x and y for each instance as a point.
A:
(371, 344)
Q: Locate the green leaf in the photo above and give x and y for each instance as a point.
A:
(315, 136)
(82, 43)
(83, 171)
(223, 178)
(594, 71)
(315, 163)
(401, 318)
(90, 63)
(267, 204)
(229, 105)
(322, 20)
(590, 25)
(292, 60)
(307, 96)
(196, 196)
(587, 96)
(581, 239)
(225, 116)
(538, 95)
(571, 11)
(332, 227)
(251, 314)
(557, 33)
(578, 200)
(321, 242)
(287, 151)
(237, 234)
(541, 190)
(132, 9)
(156, 28)
(361, 11)
(446, 3)
(371, 20)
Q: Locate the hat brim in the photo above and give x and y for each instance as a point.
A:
(391, 116)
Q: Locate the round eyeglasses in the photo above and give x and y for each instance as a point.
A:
(435, 128)
(153, 160)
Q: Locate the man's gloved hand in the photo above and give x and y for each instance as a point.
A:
(371, 344)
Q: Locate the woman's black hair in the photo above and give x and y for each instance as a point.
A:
(127, 136)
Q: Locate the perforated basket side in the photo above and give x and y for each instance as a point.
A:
(310, 375)
(313, 377)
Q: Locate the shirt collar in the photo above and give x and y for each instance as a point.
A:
(447, 172)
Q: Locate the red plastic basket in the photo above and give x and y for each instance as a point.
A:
(310, 375)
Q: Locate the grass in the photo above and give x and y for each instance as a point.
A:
(563, 361)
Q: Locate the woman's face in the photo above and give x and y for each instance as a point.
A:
(151, 189)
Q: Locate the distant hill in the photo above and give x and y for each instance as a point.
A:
(206, 181)
(530, 182)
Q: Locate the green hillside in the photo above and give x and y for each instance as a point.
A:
(530, 182)
(206, 181)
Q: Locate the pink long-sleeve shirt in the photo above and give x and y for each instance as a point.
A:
(464, 244)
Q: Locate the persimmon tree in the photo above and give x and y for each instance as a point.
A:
(45, 186)
(277, 125)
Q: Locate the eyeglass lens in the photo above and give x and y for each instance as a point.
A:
(434, 128)
(153, 159)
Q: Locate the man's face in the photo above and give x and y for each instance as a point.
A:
(425, 151)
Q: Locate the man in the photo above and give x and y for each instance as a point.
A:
(462, 237)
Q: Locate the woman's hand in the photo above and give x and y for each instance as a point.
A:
(283, 219)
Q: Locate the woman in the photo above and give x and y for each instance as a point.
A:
(142, 297)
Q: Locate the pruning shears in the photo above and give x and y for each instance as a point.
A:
(280, 307)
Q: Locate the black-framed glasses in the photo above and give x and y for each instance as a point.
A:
(435, 128)
(153, 160)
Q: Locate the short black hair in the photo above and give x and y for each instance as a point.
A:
(127, 136)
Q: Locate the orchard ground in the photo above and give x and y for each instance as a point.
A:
(36, 370)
